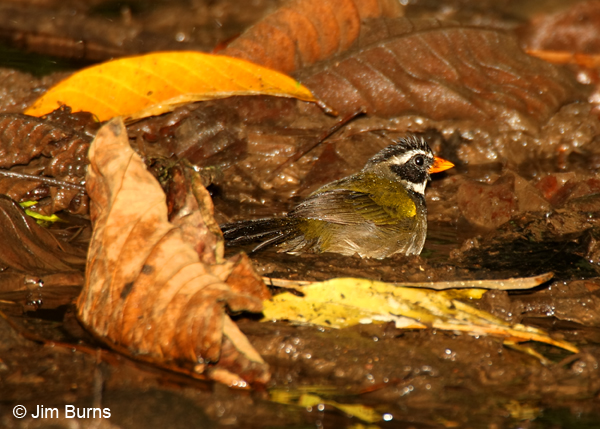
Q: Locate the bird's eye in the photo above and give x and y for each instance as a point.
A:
(419, 160)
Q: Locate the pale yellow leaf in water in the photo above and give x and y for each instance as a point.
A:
(305, 397)
(344, 302)
(362, 412)
(156, 83)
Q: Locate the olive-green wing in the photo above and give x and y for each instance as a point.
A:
(348, 207)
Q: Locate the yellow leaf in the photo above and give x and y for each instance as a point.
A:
(362, 412)
(304, 398)
(156, 83)
(345, 302)
(41, 219)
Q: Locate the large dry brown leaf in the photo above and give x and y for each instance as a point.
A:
(442, 72)
(147, 291)
(305, 31)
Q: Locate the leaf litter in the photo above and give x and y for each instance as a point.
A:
(553, 383)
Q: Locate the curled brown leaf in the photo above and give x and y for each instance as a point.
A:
(148, 291)
(305, 31)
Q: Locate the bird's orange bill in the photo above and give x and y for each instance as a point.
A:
(440, 164)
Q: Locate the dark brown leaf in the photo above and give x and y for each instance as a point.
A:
(37, 268)
(305, 31)
(39, 147)
(442, 72)
(29, 248)
(23, 138)
(46, 292)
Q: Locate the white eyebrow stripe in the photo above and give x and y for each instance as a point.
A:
(402, 159)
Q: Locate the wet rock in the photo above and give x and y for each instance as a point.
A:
(593, 250)
(572, 128)
(529, 198)
(576, 189)
(491, 205)
(552, 184)
(585, 366)
(587, 204)
(488, 206)
(576, 301)
(498, 303)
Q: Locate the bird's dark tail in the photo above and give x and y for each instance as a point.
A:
(266, 232)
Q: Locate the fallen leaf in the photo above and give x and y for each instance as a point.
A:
(313, 396)
(41, 220)
(23, 138)
(340, 303)
(574, 29)
(29, 248)
(40, 158)
(36, 267)
(305, 31)
(156, 83)
(147, 291)
(444, 72)
(362, 412)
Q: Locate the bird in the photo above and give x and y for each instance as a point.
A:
(375, 213)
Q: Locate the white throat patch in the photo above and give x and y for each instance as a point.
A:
(418, 188)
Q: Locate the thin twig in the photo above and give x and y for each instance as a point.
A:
(320, 139)
(43, 179)
(521, 283)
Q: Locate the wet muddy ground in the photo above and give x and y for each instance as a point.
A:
(524, 199)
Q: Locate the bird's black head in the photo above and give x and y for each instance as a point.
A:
(409, 160)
